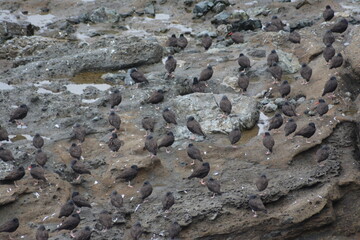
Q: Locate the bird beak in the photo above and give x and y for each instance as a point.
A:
(29, 168)
(317, 103)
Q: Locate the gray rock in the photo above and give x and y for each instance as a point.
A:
(219, 7)
(250, 24)
(288, 62)
(301, 24)
(241, 15)
(150, 10)
(113, 77)
(256, 11)
(280, 101)
(206, 111)
(201, 8)
(259, 53)
(264, 101)
(301, 100)
(188, 2)
(211, 34)
(221, 18)
(103, 14)
(270, 107)
(9, 30)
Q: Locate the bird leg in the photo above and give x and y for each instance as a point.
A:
(192, 137)
(167, 125)
(268, 152)
(307, 141)
(255, 215)
(72, 234)
(202, 182)
(233, 146)
(147, 134)
(78, 178)
(193, 162)
(213, 195)
(129, 185)
(15, 184)
(167, 150)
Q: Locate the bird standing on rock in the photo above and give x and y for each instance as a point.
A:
(128, 174)
(290, 127)
(235, 136)
(83, 234)
(79, 200)
(272, 58)
(206, 73)
(151, 145)
(136, 231)
(336, 61)
(225, 106)
(148, 123)
(116, 199)
(328, 38)
(268, 142)
(182, 42)
(41, 158)
(262, 182)
(3, 134)
(79, 168)
(156, 97)
(328, 53)
(322, 153)
(194, 126)
(288, 110)
(67, 209)
(169, 116)
(276, 72)
(305, 73)
(105, 219)
(18, 114)
(69, 223)
(174, 230)
(243, 82)
(276, 122)
(213, 186)
(201, 172)
(13, 176)
(168, 201)
(256, 204)
(10, 226)
(138, 76)
(340, 26)
(330, 86)
(321, 107)
(172, 41)
(294, 37)
(284, 89)
(306, 131)
(78, 132)
(146, 190)
(198, 86)
(37, 172)
(42, 233)
(328, 13)
(114, 120)
(6, 155)
(170, 65)
(206, 41)
(38, 141)
(244, 62)
(115, 143)
(75, 151)
(167, 141)
(194, 153)
(237, 37)
(277, 22)
(115, 98)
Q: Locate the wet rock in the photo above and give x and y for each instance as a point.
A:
(250, 24)
(201, 8)
(203, 106)
(103, 14)
(301, 24)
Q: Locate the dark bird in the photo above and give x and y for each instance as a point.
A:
(235, 136)
(138, 76)
(276, 122)
(10, 226)
(194, 126)
(294, 37)
(213, 186)
(148, 123)
(42, 233)
(290, 127)
(256, 204)
(174, 230)
(322, 153)
(41, 158)
(276, 72)
(225, 105)
(67, 209)
(206, 41)
(169, 116)
(328, 53)
(268, 142)
(272, 58)
(105, 219)
(198, 86)
(277, 22)
(237, 37)
(70, 223)
(13, 176)
(79, 200)
(114, 143)
(168, 201)
(136, 231)
(128, 174)
(6, 155)
(78, 132)
(167, 141)
(305, 73)
(244, 62)
(182, 42)
(37, 172)
(156, 97)
(328, 13)
(270, 27)
(340, 26)
(115, 98)
(194, 153)
(116, 199)
(172, 41)
(201, 172)
(79, 167)
(146, 190)
(288, 109)
(330, 86)
(83, 234)
(3, 134)
(114, 120)
(38, 141)
(336, 61)
(151, 145)
(284, 89)
(170, 65)
(328, 38)
(322, 107)
(206, 73)
(243, 82)
(19, 113)
(306, 131)
(262, 182)
(75, 151)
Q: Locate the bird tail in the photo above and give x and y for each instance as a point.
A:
(323, 94)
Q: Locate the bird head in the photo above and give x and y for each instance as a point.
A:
(114, 135)
(273, 51)
(266, 134)
(74, 194)
(173, 36)
(73, 144)
(168, 193)
(134, 167)
(312, 124)
(328, 7)
(191, 118)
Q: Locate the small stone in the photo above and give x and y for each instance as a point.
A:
(219, 7)
(259, 53)
(250, 24)
(264, 101)
(202, 8)
(221, 18)
(270, 107)
(301, 100)
(150, 10)
(188, 3)
(280, 101)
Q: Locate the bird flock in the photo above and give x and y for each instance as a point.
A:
(69, 211)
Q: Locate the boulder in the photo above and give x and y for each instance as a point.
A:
(201, 8)
(250, 24)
